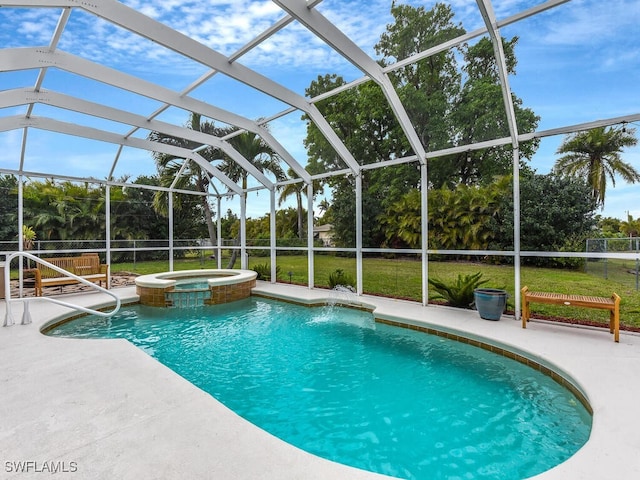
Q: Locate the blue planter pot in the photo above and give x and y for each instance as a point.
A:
(490, 302)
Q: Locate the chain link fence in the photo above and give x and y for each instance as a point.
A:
(627, 272)
(127, 251)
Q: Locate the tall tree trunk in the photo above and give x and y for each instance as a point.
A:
(236, 241)
(234, 253)
(208, 215)
(299, 199)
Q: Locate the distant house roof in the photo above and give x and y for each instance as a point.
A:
(323, 228)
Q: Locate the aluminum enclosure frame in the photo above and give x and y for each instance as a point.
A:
(305, 14)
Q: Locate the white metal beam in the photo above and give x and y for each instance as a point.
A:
(358, 234)
(489, 17)
(334, 37)
(138, 23)
(27, 58)
(10, 98)
(32, 57)
(52, 125)
(55, 39)
(310, 225)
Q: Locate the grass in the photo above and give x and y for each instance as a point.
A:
(401, 278)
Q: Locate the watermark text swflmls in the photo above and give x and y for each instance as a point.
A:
(35, 466)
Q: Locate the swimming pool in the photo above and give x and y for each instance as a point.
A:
(373, 396)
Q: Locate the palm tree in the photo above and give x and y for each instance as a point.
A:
(248, 144)
(28, 237)
(324, 206)
(41, 200)
(65, 211)
(257, 152)
(28, 240)
(189, 175)
(298, 190)
(596, 155)
(631, 227)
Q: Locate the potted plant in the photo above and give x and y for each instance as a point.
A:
(490, 302)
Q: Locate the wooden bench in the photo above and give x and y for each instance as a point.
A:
(601, 303)
(87, 266)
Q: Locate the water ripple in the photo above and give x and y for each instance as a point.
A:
(385, 399)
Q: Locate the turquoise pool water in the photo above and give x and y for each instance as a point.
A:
(385, 399)
(198, 285)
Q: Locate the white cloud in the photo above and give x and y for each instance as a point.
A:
(363, 29)
(26, 27)
(589, 22)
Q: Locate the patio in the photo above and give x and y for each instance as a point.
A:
(104, 409)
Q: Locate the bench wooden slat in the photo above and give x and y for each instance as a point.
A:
(87, 266)
(586, 301)
(552, 297)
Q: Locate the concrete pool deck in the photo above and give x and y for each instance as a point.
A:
(103, 409)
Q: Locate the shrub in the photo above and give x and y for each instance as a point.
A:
(264, 271)
(460, 292)
(338, 277)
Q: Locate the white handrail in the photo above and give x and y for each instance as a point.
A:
(26, 317)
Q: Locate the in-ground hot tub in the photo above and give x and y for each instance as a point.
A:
(213, 286)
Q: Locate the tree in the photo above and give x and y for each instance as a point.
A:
(189, 176)
(8, 208)
(480, 115)
(556, 214)
(28, 241)
(40, 209)
(28, 237)
(258, 153)
(630, 227)
(370, 131)
(427, 87)
(133, 217)
(597, 156)
(298, 190)
(608, 227)
(326, 212)
(171, 168)
(366, 124)
(446, 109)
(65, 210)
(71, 211)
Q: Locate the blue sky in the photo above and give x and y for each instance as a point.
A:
(578, 62)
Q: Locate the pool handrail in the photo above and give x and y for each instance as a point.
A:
(26, 317)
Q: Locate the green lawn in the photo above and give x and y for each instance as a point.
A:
(401, 278)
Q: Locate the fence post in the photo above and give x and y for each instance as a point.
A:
(606, 260)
